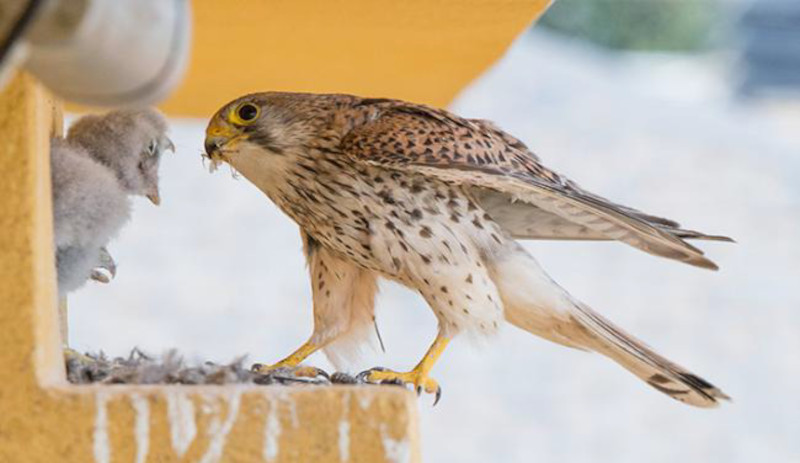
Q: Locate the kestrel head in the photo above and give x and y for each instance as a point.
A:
(269, 122)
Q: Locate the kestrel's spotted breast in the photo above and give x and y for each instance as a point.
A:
(422, 232)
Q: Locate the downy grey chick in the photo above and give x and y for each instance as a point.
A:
(103, 161)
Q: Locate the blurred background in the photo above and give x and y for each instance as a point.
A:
(686, 109)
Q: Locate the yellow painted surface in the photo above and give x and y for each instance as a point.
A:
(420, 50)
(28, 312)
(44, 419)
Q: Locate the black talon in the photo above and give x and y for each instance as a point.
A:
(438, 395)
(323, 373)
(419, 391)
(363, 377)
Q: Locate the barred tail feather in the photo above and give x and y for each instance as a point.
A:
(536, 304)
(632, 354)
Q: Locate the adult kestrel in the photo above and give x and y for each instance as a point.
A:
(418, 195)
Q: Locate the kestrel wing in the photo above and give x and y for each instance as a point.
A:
(511, 183)
(526, 221)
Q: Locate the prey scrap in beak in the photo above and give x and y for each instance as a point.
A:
(214, 148)
(221, 138)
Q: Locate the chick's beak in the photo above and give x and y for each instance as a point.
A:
(153, 194)
(155, 198)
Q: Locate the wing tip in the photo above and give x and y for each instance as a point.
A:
(686, 254)
(694, 235)
(702, 262)
(721, 238)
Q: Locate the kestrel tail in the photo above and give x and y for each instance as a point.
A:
(385, 188)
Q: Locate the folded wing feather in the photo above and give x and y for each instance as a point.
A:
(508, 180)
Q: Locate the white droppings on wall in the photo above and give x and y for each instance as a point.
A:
(101, 447)
(218, 430)
(364, 400)
(396, 451)
(141, 429)
(344, 430)
(272, 430)
(182, 425)
(284, 396)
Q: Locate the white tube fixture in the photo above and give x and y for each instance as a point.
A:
(107, 52)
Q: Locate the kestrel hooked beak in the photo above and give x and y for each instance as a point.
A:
(226, 131)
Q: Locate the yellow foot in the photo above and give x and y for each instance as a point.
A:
(419, 380)
(295, 371)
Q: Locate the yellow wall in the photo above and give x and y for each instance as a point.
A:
(43, 419)
(421, 50)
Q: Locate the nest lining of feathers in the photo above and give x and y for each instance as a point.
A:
(171, 368)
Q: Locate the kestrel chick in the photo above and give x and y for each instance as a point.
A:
(385, 188)
(104, 160)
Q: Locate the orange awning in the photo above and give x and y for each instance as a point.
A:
(420, 50)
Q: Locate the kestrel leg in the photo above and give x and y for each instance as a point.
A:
(444, 262)
(418, 376)
(343, 297)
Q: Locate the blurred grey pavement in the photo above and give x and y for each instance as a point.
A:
(217, 270)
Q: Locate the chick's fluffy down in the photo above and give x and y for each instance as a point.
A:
(89, 208)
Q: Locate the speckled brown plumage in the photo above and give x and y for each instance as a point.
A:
(385, 188)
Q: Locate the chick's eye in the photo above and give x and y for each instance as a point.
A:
(247, 112)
